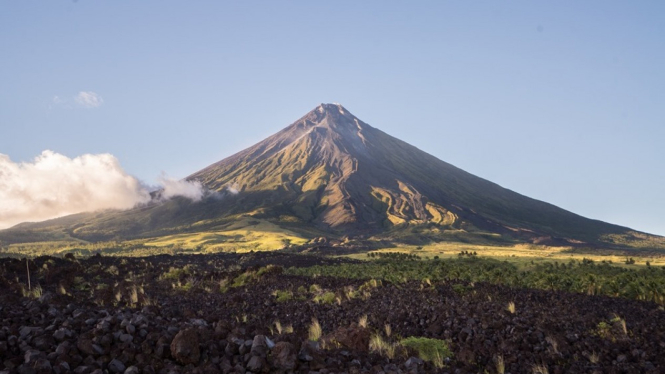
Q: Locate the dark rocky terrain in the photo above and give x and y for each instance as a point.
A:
(218, 314)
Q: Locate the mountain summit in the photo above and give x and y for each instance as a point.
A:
(331, 174)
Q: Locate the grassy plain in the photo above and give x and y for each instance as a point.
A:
(248, 234)
(525, 255)
(243, 235)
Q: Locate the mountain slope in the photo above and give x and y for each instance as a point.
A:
(329, 173)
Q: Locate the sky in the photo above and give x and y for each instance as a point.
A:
(563, 102)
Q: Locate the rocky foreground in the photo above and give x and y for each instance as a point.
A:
(235, 314)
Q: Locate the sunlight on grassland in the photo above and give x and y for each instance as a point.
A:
(521, 254)
(241, 236)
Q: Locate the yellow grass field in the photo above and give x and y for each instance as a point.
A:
(241, 236)
(522, 254)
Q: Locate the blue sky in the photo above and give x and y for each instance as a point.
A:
(563, 102)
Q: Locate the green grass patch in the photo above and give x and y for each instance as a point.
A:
(433, 350)
(325, 298)
(282, 296)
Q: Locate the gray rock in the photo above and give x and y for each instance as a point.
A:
(231, 348)
(98, 349)
(62, 367)
(82, 369)
(413, 362)
(46, 297)
(32, 355)
(63, 348)
(42, 366)
(60, 334)
(25, 331)
(125, 338)
(256, 364)
(259, 346)
(132, 370)
(116, 366)
(309, 350)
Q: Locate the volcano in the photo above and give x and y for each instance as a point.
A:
(331, 174)
(332, 170)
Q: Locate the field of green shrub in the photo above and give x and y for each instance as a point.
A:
(586, 276)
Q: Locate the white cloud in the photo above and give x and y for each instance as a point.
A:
(233, 189)
(173, 187)
(55, 185)
(88, 99)
(84, 99)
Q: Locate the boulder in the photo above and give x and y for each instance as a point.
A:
(185, 347)
(256, 364)
(283, 356)
(353, 337)
(116, 366)
(259, 346)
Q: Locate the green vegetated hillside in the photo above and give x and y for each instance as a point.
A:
(330, 174)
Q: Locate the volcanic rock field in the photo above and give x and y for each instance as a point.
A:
(244, 313)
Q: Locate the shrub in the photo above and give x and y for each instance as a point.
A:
(539, 369)
(433, 350)
(315, 331)
(325, 298)
(243, 279)
(288, 329)
(381, 346)
(460, 289)
(500, 364)
(282, 296)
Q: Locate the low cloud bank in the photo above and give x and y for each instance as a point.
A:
(173, 187)
(54, 185)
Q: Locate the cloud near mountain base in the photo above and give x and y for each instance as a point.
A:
(54, 185)
(173, 187)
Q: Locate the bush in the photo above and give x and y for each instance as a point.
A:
(325, 298)
(282, 296)
(433, 350)
(315, 330)
(381, 346)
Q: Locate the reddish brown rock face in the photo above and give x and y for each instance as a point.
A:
(351, 337)
(283, 356)
(185, 347)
